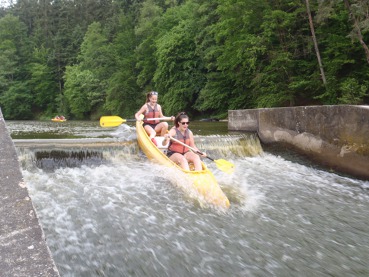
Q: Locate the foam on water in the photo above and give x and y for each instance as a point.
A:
(128, 217)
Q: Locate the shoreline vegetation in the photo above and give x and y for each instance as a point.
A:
(85, 59)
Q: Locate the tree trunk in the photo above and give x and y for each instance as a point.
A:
(315, 43)
(357, 30)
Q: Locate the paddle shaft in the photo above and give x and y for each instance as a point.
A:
(193, 149)
(134, 119)
(158, 118)
(114, 120)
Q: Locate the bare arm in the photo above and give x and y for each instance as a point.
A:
(171, 133)
(161, 113)
(140, 111)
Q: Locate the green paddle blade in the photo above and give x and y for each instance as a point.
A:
(225, 166)
(111, 121)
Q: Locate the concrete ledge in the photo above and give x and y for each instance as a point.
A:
(335, 136)
(23, 250)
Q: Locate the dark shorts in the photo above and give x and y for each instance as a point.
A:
(151, 125)
(170, 153)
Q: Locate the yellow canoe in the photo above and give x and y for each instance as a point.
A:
(202, 181)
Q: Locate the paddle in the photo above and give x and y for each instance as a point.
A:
(222, 164)
(114, 120)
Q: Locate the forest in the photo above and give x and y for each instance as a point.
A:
(88, 58)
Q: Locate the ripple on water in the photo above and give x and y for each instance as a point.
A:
(126, 218)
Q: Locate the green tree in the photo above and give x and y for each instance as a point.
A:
(232, 46)
(346, 65)
(16, 102)
(146, 31)
(91, 57)
(80, 91)
(15, 97)
(8, 64)
(179, 71)
(42, 83)
(123, 95)
(87, 81)
(288, 71)
(360, 19)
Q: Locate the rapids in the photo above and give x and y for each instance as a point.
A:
(107, 211)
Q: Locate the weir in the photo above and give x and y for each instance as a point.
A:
(334, 136)
(49, 154)
(23, 250)
(105, 220)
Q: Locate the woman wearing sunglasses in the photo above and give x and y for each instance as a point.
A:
(176, 151)
(151, 109)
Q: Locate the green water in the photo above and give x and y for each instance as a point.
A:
(88, 129)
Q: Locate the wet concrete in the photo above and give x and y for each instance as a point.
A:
(334, 136)
(23, 249)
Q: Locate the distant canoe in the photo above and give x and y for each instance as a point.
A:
(58, 120)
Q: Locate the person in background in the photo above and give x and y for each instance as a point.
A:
(176, 151)
(151, 109)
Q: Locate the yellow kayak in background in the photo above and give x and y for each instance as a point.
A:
(202, 181)
(58, 120)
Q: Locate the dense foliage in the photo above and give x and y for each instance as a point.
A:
(87, 58)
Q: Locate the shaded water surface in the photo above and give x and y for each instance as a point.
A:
(117, 214)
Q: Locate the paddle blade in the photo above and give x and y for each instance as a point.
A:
(225, 166)
(111, 121)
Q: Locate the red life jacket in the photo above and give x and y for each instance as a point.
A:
(179, 148)
(152, 113)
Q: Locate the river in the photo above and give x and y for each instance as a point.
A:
(107, 211)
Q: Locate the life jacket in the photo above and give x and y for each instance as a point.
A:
(179, 148)
(152, 113)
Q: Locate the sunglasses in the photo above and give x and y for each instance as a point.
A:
(154, 93)
(183, 123)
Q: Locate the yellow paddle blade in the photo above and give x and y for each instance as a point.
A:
(111, 121)
(225, 166)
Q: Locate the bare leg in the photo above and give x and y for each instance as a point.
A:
(181, 160)
(162, 128)
(150, 131)
(195, 159)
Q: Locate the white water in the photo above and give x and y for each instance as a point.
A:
(125, 217)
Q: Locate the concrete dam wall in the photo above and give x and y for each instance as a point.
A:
(23, 250)
(334, 136)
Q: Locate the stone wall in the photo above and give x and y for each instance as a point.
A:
(335, 136)
(23, 250)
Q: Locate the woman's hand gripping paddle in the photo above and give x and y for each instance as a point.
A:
(114, 120)
(222, 164)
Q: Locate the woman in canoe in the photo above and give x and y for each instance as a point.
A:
(151, 109)
(176, 151)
